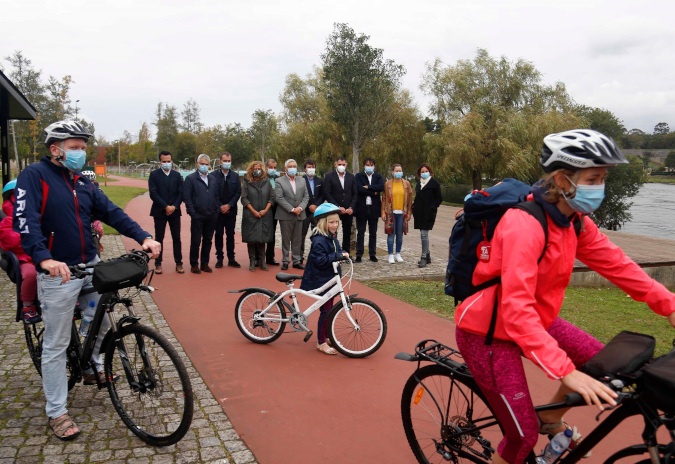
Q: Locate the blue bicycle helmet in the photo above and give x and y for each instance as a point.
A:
(325, 209)
(11, 185)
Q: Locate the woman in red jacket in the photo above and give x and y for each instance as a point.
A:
(531, 294)
(11, 241)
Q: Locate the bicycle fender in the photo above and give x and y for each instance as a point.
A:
(125, 320)
(402, 356)
(250, 289)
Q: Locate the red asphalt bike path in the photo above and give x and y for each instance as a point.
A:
(291, 403)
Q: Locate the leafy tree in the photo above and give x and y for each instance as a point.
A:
(186, 147)
(603, 121)
(191, 118)
(167, 127)
(624, 181)
(264, 131)
(360, 86)
(661, 128)
(670, 160)
(494, 114)
(635, 138)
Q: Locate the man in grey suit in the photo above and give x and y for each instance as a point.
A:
(292, 197)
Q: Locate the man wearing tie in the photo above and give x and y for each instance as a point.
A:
(313, 184)
(291, 197)
(339, 188)
(369, 185)
(166, 192)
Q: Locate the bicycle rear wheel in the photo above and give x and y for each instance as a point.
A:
(361, 341)
(250, 305)
(154, 398)
(446, 419)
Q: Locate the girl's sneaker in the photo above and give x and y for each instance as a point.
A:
(399, 259)
(30, 315)
(391, 259)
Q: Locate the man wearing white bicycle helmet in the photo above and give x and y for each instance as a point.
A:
(530, 292)
(324, 252)
(55, 207)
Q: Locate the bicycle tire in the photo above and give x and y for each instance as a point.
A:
(636, 450)
(34, 333)
(253, 302)
(361, 342)
(156, 403)
(439, 411)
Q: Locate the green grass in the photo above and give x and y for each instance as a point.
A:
(120, 196)
(602, 312)
(661, 179)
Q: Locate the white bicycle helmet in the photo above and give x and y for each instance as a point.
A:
(62, 130)
(90, 174)
(579, 149)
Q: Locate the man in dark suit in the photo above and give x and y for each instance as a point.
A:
(229, 189)
(369, 185)
(314, 188)
(339, 188)
(166, 193)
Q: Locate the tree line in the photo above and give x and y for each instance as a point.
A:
(487, 118)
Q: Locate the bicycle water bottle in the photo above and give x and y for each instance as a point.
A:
(87, 317)
(559, 443)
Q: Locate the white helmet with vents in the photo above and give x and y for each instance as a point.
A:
(62, 130)
(579, 149)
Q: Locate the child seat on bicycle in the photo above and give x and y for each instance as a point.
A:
(528, 299)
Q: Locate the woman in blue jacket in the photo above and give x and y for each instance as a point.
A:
(319, 270)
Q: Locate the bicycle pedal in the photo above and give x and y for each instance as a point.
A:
(308, 336)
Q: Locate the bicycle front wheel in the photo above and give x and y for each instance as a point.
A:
(446, 419)
(250, 305)
(154, 396)
(364, 335)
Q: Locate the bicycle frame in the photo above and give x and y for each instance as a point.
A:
(629, 404)
(332, 288)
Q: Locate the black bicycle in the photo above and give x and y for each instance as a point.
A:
(447, 419)
(153, 395)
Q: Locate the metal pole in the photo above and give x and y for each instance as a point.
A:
(119, 155)
(76, 102)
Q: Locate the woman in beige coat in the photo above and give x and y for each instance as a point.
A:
(396, 211)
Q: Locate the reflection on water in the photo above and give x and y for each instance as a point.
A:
(653, 211)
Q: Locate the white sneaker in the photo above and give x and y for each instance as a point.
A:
(398, 258)
(391, 259)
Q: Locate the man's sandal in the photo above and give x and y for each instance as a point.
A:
(61, 425)
(551, 429)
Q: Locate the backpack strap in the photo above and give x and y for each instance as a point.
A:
(536, 210)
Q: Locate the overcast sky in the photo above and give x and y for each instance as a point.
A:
(232, 57)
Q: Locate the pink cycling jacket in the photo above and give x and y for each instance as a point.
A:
(531, 294)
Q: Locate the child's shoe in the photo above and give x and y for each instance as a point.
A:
(30, 315)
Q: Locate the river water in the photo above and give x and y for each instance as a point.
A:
(653, 211)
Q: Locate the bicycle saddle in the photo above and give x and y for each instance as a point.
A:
(283, 277)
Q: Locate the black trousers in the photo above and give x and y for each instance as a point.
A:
(309, 221)
(370, 218)
(201, 233)
(225, 225)
(160, 229)
(346, 220)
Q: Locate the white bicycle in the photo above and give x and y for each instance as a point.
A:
(356, 326)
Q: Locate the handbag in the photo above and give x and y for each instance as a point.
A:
(118, 273)
(389, 224)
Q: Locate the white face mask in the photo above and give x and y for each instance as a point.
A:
(310, 171)
(341, 169)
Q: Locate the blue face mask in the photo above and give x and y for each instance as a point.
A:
(271, 172)
(587, 198)
(369, 169)
(75, 159)
(292, 171)
(203, 168)
(425, 175)
(167, 166)
(398, 175)
(226, 164)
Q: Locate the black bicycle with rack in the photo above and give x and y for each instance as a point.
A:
(153, 394)
(447, 419)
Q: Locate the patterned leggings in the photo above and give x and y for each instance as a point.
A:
(498, 370)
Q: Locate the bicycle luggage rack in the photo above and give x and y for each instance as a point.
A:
(437, 352)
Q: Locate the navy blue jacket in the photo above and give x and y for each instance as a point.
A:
(315, 198)
(228, 192)
(54, 212)
(201, 202)
(165, 190)
(319, 269)
(374, 191)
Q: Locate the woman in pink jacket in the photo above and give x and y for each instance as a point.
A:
(531, 294)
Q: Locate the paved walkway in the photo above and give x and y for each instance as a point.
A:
(277, 403)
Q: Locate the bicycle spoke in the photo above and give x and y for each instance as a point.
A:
(360, 331)
(251, 305)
